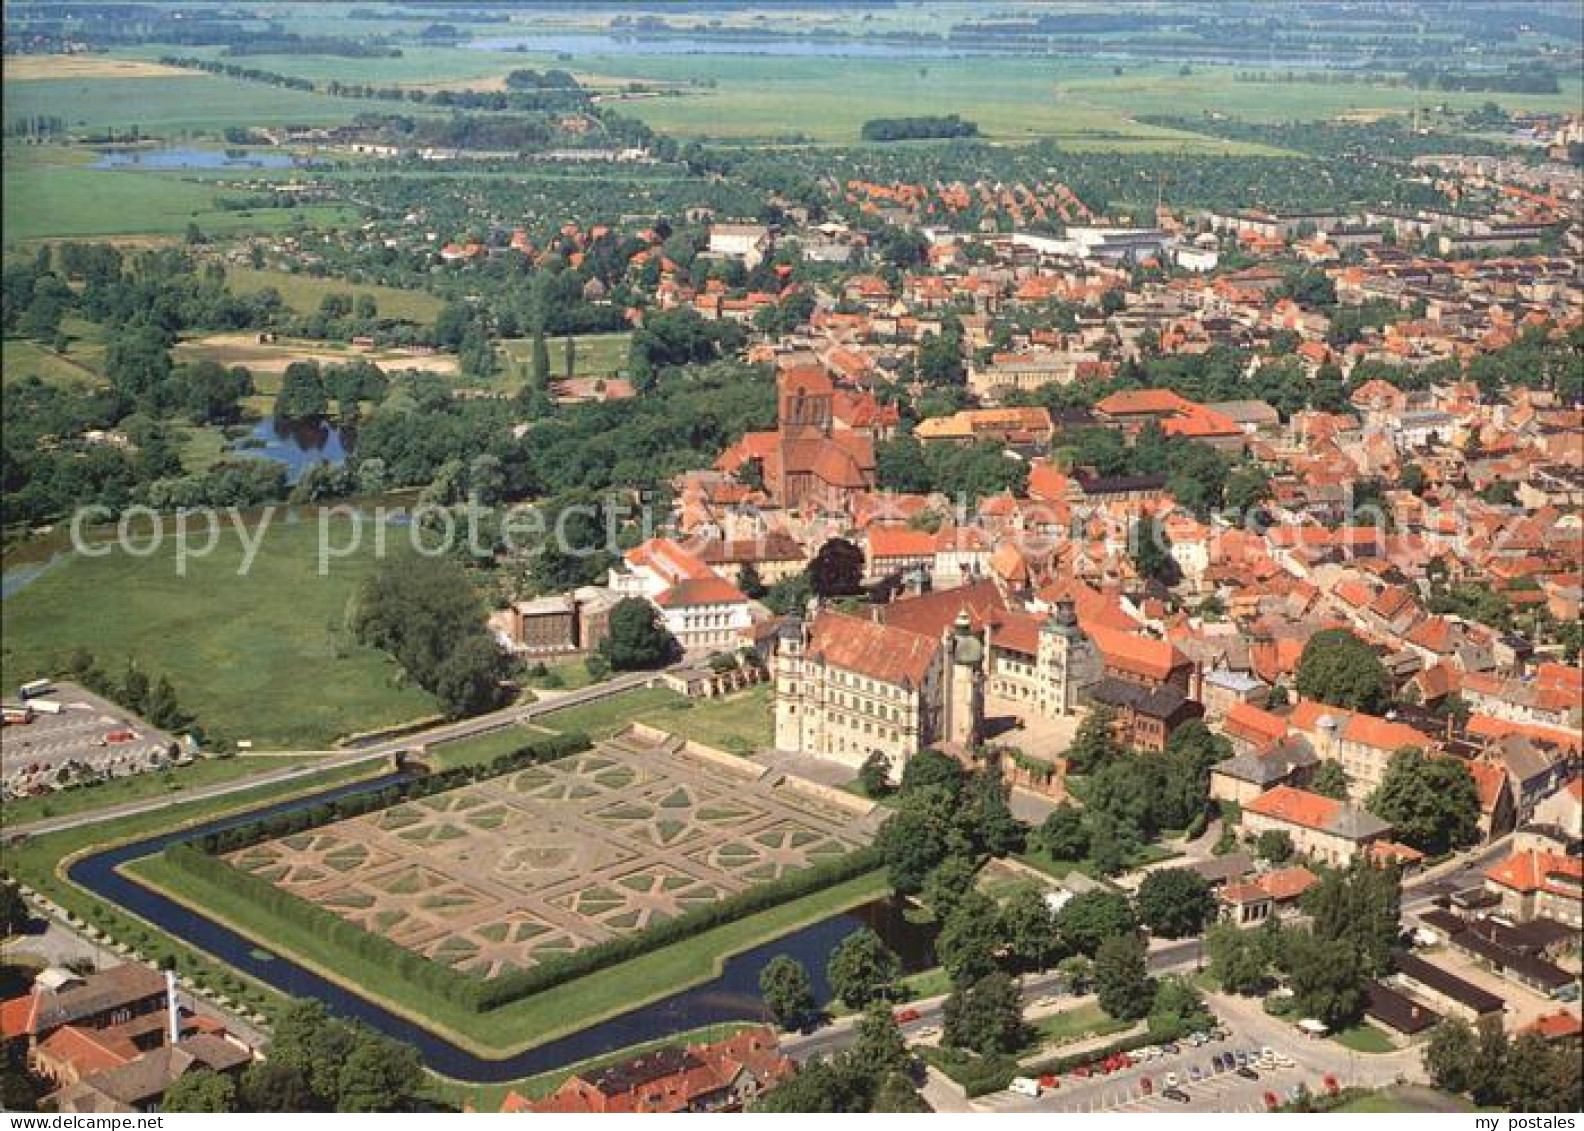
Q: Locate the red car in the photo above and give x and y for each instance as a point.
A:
(1081, 1072)
(905, 1015)
(1331, 1085)
(1049, 1080)
(1146, 1086)
(1271, 1102)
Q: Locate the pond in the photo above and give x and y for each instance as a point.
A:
(299, 444)
(183, 158)
(733, 996)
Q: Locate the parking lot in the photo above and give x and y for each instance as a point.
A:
(88, 739)
(1311, 1061)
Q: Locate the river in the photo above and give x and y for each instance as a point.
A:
(733, 996)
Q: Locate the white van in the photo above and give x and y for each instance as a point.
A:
(1024, 1086)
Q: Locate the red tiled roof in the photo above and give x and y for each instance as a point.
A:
(1253, 724)
(1296, 806)
(880, 651)
(1535, 869)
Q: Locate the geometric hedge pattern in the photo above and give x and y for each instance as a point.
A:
(510, 872)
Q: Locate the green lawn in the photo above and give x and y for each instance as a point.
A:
(50, 193)
(20, 359)
(738, 723)
(1363, 1037)
(533, 1020)
(1037, 857)
(206, 771)
(568, 676)
(479, 748)
(304, 293)
(175, 105)
(1406, 1099)
(1076, 1024)
(264, 657)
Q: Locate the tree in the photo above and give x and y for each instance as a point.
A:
(897, 1094)
(1175, 902)
(1064, 834)
(837, 569)
(637, 640)
(819, 1086)
(1490, 1062)
(1237, 959)
(271, 1086)
(1150, 549)
(749, 581)
(1361, 906)
(863, 970)
(1325, 976)
(201, 1090)
(1122, 982)
(1178, 1007)
(1095, 742)
(1338, 668)
(913, 840)
(379, 1075)
(1089, 918)
(13, 908)
(879, 1048)
(874, 776)
(1432, 802)
(1274, 845)
(1029, 927)
(1330, 780)
(930, 768)
(1532, 1077)
(996, 830)
(1451, 1056)
(969, 939)
(787, 991)
(949, 883)
(302, 393)
(986, 1017)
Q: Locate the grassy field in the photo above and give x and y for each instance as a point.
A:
(738, 723)
(52, 193)
(1075, 1024)
(21, 359)
(264, 657)
(532, 1021)
(86, 799)
(1407, 1099)
(479, 748)
(173, 105)
(304, 293)
(1364, 1037)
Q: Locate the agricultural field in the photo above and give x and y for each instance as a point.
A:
(20, 359)
(509, 873)
(304, 293)
(54, 193)
(265, 657)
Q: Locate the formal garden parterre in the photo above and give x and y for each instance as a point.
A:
(571, 849)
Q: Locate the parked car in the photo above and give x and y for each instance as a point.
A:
(1285, 1061)
(1218, 1062)
(903, 1016)
(1081, 1072)
(1331, 1085)
(1170, 1048)
(1294, 1092)
(1271, 1102)
(1024, 1086)
(1172, 1080)
(1146, 1086)
(1241, 1058)
(927, 1032)
(1050, 1080)
(1195, 1074)
(1176, 1095)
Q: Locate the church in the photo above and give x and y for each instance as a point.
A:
(814, 457)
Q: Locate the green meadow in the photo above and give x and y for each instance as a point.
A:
(264, 657)
(304, 293)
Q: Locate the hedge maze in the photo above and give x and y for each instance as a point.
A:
(507, 873)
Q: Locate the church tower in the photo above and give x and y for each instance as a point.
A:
(1068, 661)
(964, 722)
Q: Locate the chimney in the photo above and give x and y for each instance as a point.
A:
(173, 1006)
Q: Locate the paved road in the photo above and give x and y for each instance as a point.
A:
(466, 728)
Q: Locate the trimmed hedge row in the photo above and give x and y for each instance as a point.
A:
(976, 1075)
(198, 859)
(551, 748)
